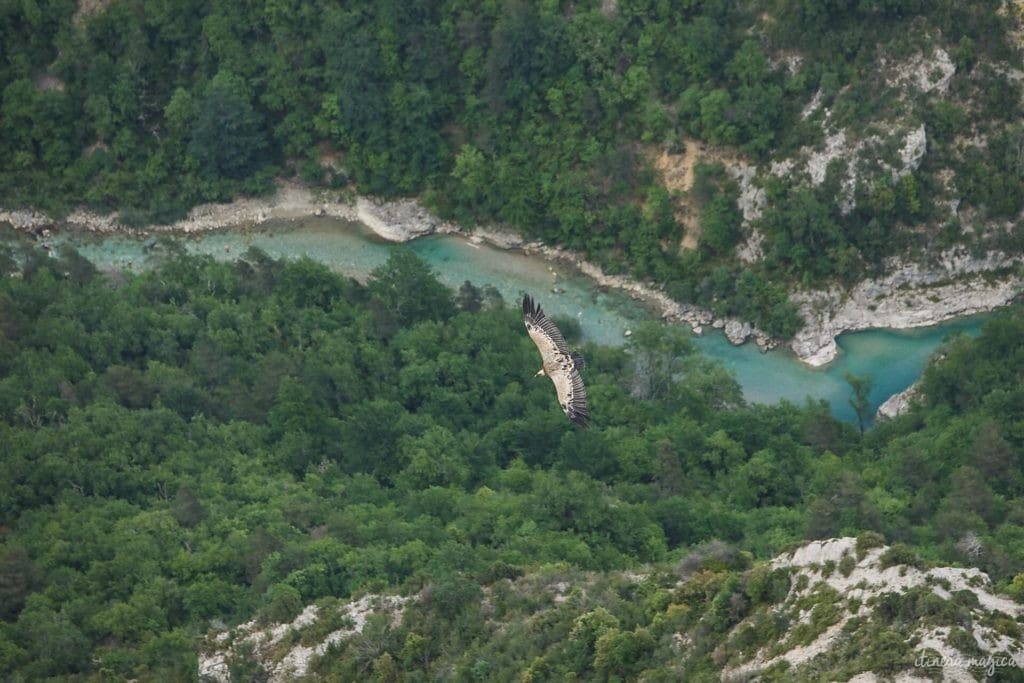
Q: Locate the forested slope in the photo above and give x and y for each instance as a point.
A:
(203, 443)
(852, 131)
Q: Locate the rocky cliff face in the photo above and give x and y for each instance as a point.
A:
(911, 295)
(873, 153)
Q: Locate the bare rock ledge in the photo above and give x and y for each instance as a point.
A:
(911, 295)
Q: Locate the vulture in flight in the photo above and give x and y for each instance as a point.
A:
(561, 365)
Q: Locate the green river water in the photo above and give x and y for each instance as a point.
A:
(893, 359)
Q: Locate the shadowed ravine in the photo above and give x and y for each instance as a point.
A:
(893, 359)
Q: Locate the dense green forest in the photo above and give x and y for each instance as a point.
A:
(540, 115)
(204, 442)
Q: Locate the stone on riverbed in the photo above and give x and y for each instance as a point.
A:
(737, 332)
(398, 221)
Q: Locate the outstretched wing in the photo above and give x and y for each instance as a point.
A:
(543, 332)
(572, 395)
(560, 364)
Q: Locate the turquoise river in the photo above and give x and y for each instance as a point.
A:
(892, 359)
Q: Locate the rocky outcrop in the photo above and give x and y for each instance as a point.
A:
(282, 660)
(910, 296)
(915, 144)
(855, 153)
(901, 402)
(399, 221)
(751, 203)
(923, 72)
(836, 588)
(736, 331)
(898, 403)
(837, 146)
(752, 198)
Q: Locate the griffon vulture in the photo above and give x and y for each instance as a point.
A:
(561, 365)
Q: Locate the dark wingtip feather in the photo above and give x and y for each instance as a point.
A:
(530, 307)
